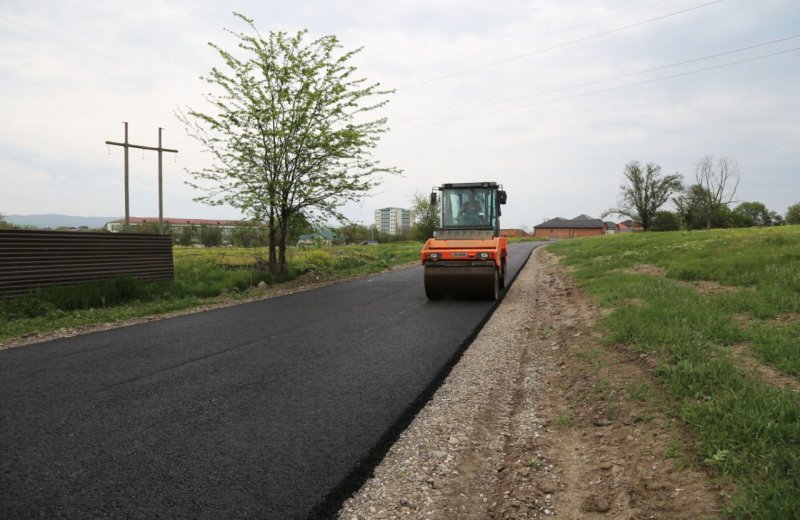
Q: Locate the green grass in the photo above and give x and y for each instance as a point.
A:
(639, 391)
(778, 345)
(564, 419)
(536, 464)
(747, 430)
(202, 275)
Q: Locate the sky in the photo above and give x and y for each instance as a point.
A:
(549, 98)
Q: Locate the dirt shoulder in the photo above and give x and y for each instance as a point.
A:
(538, 419)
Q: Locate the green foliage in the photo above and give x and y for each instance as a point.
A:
(643, 192)
(426, 216)
(8, 225)
(186, 236)
(564, 420)
(354, 233)
(319, 260)
(777, 345)
(402, 235)
(298, 225)
(210, 236)
(290, 128)
(793, 214)
(4, 224)
(693, 209)
(666, 221)
(249, 236)
(147, 228)
(746, 428)
(749, 214)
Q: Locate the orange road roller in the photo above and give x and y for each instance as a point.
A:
(466, 258)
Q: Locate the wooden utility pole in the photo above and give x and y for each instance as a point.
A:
(160, 151)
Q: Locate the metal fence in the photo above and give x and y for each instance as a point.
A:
(30, 258)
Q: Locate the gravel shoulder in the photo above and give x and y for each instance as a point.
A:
(539, 418)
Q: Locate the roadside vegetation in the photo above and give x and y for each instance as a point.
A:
(202, 276)
(720, 312)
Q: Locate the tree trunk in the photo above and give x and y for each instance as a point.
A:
(273, 260)
(284, 228)
(282, 255)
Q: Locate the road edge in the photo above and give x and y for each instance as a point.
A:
(330, 505)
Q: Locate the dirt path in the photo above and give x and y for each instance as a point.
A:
(540, 419)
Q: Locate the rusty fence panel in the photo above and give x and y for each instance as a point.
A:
(31, 258)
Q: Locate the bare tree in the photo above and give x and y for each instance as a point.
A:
(719, 183)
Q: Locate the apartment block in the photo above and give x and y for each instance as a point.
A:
(392, 220)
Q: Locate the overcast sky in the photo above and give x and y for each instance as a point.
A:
(549, 98)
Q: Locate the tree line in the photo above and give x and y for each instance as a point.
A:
(708, 202)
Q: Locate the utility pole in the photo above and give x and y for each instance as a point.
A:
(160, 151)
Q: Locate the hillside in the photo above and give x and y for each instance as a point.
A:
(56, 220)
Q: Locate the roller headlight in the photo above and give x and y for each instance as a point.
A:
(483, 255)
(433, 256)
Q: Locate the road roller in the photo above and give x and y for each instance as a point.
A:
(466, 258)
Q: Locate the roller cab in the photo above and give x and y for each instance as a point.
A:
(466, 258)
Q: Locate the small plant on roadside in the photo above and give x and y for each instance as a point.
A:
(676, 451)
(593, 356)
(718, 458)
(638, 391)
(565, 420)
(612, 412)
(602, 386)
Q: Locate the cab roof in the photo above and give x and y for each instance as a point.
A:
(450, 185)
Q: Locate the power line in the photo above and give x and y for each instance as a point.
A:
(610, 89)
(560, 45)
(595, 82)
(535, 38)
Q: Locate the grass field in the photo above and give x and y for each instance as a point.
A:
(202, 275)
(720, 310)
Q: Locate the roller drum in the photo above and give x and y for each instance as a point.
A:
(478, 282)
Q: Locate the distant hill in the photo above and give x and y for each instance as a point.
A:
(54, 221)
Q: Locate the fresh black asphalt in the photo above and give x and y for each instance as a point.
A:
(271, 409)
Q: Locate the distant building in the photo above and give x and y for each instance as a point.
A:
(177, 224)
(580, 226)
(392, 220)
(323, 236)
(629, 226)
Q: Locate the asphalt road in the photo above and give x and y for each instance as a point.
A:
(272, 409)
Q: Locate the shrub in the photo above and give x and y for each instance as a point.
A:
(317, 260)
(793, 214)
